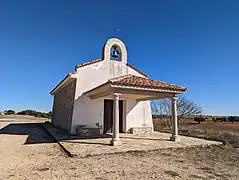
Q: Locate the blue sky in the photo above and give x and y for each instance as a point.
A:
(190, 43)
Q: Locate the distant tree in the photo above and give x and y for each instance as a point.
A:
(9, 112)
(233, 119)
(199, 119)
(219, 119)
(185, 109)
(225, 119)
(236, 119)
(214, 119)
(35, 113)
(49, 114)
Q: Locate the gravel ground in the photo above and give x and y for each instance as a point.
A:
(189, 163)
(32, 155)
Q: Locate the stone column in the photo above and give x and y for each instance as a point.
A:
(115, 138)
(175, 136)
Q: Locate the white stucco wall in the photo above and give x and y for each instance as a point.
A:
(89, 112)
(138, 114)
(89, 77)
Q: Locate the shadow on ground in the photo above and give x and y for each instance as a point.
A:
(37, 134)
(34, 131)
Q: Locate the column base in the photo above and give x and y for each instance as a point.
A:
(175, 138)
(115, 142)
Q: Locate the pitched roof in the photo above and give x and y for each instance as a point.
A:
(69, 74)
(89, 63)
(140, 82)
(139, 71)
(99, 60)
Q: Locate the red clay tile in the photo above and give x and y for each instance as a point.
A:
(136, 81)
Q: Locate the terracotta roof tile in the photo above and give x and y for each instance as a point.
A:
(136, 81)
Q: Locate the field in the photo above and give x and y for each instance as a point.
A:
(221, 131)
(27, 152)
(219, 126)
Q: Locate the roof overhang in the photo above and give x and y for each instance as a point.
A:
(140, 94)
(68, 78)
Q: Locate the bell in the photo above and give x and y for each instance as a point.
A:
(115, 53)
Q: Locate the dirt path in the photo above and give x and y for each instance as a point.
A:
(26, 152)
(189, 163)
(23, 145)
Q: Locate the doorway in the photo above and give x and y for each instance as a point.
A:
(108, 115)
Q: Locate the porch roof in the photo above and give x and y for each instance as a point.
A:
(131, 84)
(140, 82)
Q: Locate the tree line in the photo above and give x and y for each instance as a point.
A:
(29, 112)
(231, 119)
(187, 109)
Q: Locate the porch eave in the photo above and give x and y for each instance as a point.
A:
(138, 93)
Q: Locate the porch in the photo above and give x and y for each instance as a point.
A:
(130, 87)
(130, 142)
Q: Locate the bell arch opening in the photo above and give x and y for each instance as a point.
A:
(115, 53)
(115, 49)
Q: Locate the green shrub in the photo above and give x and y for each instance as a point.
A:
(35, 113)
(8, 112)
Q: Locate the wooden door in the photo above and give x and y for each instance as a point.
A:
(108, 115)
(121, 116)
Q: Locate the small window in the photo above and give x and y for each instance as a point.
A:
(115, 53)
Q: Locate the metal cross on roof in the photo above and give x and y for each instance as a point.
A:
(115, 30)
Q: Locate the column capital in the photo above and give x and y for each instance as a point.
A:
(175, 98)
(117, 95)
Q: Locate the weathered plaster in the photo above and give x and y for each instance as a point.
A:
(63, 106)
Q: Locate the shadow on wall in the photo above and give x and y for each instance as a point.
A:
(136, 113)
(130, 106)
(36, 134)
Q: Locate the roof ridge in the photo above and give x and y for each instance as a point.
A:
(100, 59)
(119, 77)
(88, 63)
(69, 74)
(139, 71)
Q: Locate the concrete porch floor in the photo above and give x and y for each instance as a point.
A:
(130, 142)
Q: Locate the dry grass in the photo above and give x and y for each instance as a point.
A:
(224, 132)
(218, 126)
